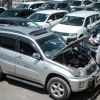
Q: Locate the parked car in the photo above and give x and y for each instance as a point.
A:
(30, 5)
(79, 8)
(17, 13)
(41, 58)
(54, 5)
(18, 22)
(74, 25)
(48, 18)
(96, 6)
(82, 3)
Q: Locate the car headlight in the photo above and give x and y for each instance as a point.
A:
(78, 72)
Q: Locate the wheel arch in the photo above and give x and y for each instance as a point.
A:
(51, 75)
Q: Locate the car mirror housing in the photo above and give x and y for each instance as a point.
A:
(37, 56)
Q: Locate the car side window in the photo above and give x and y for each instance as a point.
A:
(26, 49)
(97, 17)
(8, 43)
(33, 6)
(52, 17)
(87, 22)
(62, 5)
(60, 15)
(93, 19)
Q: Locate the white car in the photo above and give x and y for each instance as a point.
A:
(30, 5)
(74, 25)
(82, 3)
(48, 18)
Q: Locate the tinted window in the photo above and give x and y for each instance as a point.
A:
(61, 6)
(8, 43)
(60, 15)
(26, 49)
(87, 2)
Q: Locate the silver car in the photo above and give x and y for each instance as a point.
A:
(41, 58)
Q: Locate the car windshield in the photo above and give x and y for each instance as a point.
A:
(39, 17)
(72, 20)
(23, 6)
(76, 3)
(10, 13)
(48, 6)
(97, 5)
(50, 45)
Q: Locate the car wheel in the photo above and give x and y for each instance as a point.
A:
(58, 88)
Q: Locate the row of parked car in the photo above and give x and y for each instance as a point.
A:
(33, 48)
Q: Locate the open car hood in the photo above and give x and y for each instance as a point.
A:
(67, 47)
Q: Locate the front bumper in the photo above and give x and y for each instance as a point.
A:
(80, 84)
(69, 38)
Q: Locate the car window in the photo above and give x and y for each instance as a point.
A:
(72, 20)
(26, 49)
(87, 2)
(38, 5)
(39, 17)
(25, 13)
(1, 10)
(93, 19)
(48, 6)
(97, 16)
(87, 22)
(76, 3)
(8, 43)
(62, 5)
(52, 17)
(23, 6)
(34, 6)
(60, 15)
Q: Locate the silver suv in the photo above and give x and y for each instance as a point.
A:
(41, 58)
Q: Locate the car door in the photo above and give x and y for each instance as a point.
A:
(28, 67)
(7, 53)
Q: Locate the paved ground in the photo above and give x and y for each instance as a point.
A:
(12, 90)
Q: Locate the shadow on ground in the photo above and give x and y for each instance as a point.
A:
(74, 96)
(86, 95)
(25, 86)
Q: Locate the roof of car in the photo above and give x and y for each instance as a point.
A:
(35, 2)
(50, 11)
(34, 32)
(83, 13)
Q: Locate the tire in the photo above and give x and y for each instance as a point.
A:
(58, 89)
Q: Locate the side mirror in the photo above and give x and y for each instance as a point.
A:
(36, 56)
(49, 20)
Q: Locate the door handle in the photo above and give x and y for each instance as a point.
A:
(20, 57)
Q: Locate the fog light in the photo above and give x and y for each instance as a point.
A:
(81, 84)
